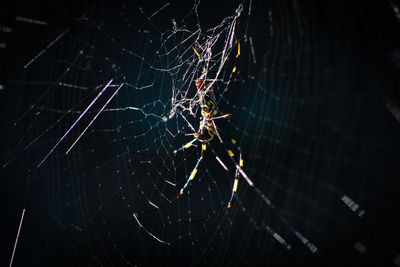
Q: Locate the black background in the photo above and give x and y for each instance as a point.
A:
(329, 69)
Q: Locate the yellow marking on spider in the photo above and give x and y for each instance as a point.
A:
(193, 174)
(181, 193)
(195, 51)
(241, 163)
(235, 185)
(223, 63)
(226, 89)
(229, 205)
(238, 49)
(204, 147)
(230, 153)
(210, 103)
(204, 70)
(234, 69)
(233, 141)
(188, 145)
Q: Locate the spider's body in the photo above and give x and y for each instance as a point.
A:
(207, 128)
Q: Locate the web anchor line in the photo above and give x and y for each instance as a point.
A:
(73, 125)
(16, 239)
(148, 232)
(95, 117)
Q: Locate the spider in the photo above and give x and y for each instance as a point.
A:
(208, 130)
(206, 100)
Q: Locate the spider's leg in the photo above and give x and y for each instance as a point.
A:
(223, 116)
(238, 171)
(236, 182)
(216, 131)
(187, 145)
(240, 165)
(192, 174)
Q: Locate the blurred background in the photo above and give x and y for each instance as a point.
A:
(315, 107)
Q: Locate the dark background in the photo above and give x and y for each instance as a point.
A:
(311, 114)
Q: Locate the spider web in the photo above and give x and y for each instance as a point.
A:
(109, 93)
